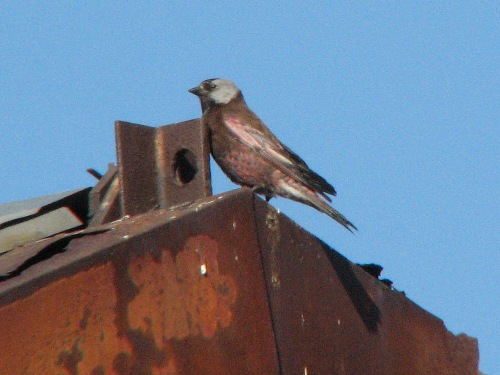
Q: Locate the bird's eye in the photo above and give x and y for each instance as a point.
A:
(208, 86)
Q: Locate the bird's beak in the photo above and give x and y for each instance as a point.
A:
(196, 90)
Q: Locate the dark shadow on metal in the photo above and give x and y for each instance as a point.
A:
(78, 203)
(52, 249)
(368, 311)
(57, 246)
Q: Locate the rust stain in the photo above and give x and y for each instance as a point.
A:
(120, 315)
(182, 296)
(162, 297)
(273, 223)
(49, 337)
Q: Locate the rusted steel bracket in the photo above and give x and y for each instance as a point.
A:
(161, 167)
(104, 200)
(157, 168)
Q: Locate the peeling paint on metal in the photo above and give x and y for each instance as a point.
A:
(175, 299)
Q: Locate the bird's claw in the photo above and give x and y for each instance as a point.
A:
(263, 190)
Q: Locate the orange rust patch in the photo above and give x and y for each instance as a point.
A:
(41, 335)
(182, 296)
(117, 317)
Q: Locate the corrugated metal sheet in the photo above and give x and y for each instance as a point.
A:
(30, 220)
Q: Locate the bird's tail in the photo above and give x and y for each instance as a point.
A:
(322, 206)
(312, 198)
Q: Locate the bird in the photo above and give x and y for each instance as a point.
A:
(252, 156)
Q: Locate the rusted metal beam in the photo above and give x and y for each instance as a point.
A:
(225, 285)
(331, 317)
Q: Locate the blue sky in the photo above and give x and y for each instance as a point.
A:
(394, 103)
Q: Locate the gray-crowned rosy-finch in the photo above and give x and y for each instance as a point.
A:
(252, 156)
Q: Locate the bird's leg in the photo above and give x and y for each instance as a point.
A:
(258, 189)
(264, 190)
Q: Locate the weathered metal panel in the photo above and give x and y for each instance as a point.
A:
(331, 317)
(168, 292)
(14, 262)
(30, 220)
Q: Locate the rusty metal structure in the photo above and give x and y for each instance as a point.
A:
(157, 276)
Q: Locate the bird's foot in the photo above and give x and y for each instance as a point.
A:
(264, 190)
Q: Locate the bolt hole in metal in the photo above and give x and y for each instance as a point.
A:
(185, 167)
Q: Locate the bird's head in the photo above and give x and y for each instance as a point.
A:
(216, 91)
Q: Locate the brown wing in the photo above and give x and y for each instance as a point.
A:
(280, 156)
